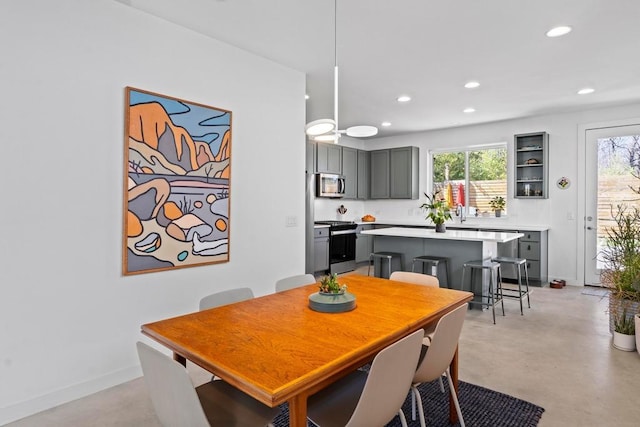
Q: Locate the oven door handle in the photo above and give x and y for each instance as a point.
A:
(338, 233)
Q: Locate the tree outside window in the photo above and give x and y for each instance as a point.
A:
(471, 178)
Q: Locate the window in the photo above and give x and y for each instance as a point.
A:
(471, 177)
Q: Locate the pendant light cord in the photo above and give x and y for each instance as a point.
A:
(335, 68)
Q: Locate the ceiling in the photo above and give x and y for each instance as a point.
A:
(429, 49)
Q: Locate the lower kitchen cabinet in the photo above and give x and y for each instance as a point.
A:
(533, 247)
(364, 243)
(321, 249)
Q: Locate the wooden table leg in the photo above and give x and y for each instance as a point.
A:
(181, 360)
(453, 369)
(298, 411)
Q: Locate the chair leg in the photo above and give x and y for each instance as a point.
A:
(441, 384)
(369, 267)
(403, 420)
(455, 399)
(499, 289)
(414, 389)
(491, 299)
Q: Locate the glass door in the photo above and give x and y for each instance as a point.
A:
(612, 174)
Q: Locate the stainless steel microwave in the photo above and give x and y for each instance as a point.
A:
(329, 185)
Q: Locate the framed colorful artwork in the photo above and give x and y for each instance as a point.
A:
(176, 184)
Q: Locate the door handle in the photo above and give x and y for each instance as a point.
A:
(589, 228)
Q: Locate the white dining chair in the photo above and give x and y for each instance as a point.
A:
(436, 358)
(177, 403)
(374, 399)
(420, 279)
(225, 297)
(294, 281)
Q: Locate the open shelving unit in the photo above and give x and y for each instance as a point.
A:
(531, 158)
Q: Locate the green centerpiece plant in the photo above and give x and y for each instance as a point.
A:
(329, 285)
(437, 211)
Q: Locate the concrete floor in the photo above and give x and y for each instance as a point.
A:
(558, 356)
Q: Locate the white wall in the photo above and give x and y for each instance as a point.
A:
(68, 318)
(564, 253)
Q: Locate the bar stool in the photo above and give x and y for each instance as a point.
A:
(494, 294)
(384, 256)
(433, 262)
(512, 293)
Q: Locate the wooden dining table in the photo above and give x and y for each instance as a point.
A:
(276, 349)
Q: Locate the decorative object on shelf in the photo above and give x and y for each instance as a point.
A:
(368, 218)
(342, 210)
(563, 183)
(532, 161)
(438, 211)
(332, 297)
(497, 204)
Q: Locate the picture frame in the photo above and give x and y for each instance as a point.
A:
(177, 190)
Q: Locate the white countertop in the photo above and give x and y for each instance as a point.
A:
(465, 235)
(492, 224)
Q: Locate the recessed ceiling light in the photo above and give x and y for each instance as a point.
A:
(586, 91)
(306, 96)
(471, 85)
(559, 31)
(469, 110)
(385, 124)
(403, 98)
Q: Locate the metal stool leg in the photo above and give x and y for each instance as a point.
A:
(520, 295)
(491, 297)
(500, 288)
(526, 275)
(447, 275)
(370, 262)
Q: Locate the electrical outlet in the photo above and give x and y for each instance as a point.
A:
(291, 221)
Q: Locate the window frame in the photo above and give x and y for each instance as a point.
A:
(466, 149)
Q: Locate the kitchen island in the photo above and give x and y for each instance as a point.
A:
(458, 245)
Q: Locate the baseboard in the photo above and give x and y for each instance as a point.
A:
(25, 408)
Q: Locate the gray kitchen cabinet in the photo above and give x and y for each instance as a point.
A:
(394, 173)
(379, 188)
(364, 243)
(350, 172)
(531, 165)
(364, 161)
(533, 247)
(321, 249)
(328, 158)
(403, 173)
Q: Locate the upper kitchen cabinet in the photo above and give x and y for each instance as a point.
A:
(404, 173)
(379, 167)
(350, 172)
(328, 158)
(394, 173)
(531, 165)
(364, 166)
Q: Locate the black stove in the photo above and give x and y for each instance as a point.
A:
(339, 225)
(342, 245)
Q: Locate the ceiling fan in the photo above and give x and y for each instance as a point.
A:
(326, 130)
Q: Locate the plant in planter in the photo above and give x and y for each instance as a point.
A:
(497, 204)
(437, 211)
(329, 285)
(621, 256)
(624, 332)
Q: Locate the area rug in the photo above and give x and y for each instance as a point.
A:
(480, 407)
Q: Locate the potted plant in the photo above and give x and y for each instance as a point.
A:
(437, 211)
(329, 285)
(624, 337)
(621, 256)
(637, 323)
(497, 204)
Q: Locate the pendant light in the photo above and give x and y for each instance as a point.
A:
(326, 130)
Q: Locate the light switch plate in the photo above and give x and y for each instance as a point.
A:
(291, 221)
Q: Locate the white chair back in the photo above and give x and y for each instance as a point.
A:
(225, 297)
(294, 281)
(415, 278)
